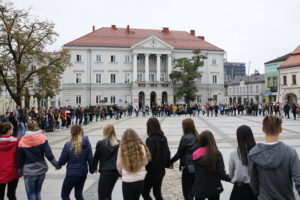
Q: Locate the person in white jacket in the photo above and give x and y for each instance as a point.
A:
(133, 156)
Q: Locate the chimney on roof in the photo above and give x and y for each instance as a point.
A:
(128, 29)
(193, 32)
(201, 37)
(93, 28)
(114, 27)
(165, 30)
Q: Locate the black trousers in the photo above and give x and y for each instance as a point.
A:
(11, 190)
(132, 191)
(187, 180)
(106, 184)
(243, 192)
(210, 198)
(153, 180)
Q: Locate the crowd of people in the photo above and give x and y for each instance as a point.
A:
(53, 119)
(258, 171)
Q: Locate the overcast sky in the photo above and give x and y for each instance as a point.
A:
(248, 30)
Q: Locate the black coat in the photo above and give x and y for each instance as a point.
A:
(188, 144)
(106, 156)
(208, 183)
(160, 153)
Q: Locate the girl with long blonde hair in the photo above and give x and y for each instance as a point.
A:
(133, 156)
(78, 154)
(106, 157)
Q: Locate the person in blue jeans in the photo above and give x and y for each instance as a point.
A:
(78, 155)
(32, 150)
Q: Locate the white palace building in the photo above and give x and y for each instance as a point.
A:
(124, 66)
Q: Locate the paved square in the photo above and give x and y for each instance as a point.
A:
(224, 129)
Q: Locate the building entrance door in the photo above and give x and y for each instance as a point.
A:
(153, 98)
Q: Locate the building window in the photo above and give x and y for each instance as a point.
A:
(151, 77)
(112, 99)
(139, 59)
(98, 58)
(294, 80)
(214, 78)
(284, 80)
(78, 78)
(139, 77)
(257, 89)
(214, 61)
(275, 82)
(98, 78)
(127, 78)
(98, 98)
(241, 90)
(112, 78)
(251, 89)
(162, 77)
(198, 80)
(127, 59)
(162, 59)
(215, 98)
(112, 58)
(78, 99)
(198, 98)
(269, 82)
(78, 58)
(244, 91)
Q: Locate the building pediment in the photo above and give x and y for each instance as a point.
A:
(152, 42)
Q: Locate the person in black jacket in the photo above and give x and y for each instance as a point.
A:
(189, 142)
(209, 167)
(106, 155)
(160, 156)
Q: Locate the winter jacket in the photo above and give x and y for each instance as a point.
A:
(160, 153)
(273, 167)
(208, 183)
(77, 165)
(106, 156)
(188, 144)
(33, 147)
(8, 161)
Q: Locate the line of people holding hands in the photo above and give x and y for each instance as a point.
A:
(258, 171)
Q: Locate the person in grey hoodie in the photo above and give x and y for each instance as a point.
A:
(273, 165)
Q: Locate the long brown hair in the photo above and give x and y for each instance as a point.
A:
(132, 156)
(207, 140)
(153, 127)
(110, 134)
(76, 139)
(188, 126)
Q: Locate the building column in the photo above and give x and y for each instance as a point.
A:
(169, 67)
(158, 67)
(134, 74)
(147, 67)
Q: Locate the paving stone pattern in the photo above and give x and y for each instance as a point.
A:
(224, 129)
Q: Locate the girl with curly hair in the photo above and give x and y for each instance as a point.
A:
(133, 156)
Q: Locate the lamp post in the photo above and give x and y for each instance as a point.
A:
(248, 83)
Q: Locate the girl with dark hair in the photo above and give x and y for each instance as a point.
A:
(209, 167)
(106, 155)
(78, 154)
(160, 155)
(189, 142)
(238, 162)
(8, 163)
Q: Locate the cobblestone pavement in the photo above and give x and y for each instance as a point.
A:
(223, 128)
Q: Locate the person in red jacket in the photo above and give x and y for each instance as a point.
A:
(8, 162)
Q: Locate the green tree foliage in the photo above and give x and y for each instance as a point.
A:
(23, 58)
(185, 75)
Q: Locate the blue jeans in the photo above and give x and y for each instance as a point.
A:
(33, 186)
(71, 182)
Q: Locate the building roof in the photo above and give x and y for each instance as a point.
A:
(279, 59)
(254, 78)
(126, 37)
(293, 60)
